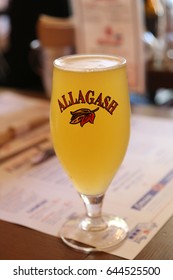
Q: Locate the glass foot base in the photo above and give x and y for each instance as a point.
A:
(74, 236)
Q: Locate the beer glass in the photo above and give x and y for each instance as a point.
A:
(90, 124)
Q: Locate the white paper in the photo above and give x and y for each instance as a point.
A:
(113, 27)
(42, 197)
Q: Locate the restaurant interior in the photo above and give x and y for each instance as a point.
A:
(32, 35)
(23, 45)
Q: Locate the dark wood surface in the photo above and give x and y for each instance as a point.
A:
(19, 242)
(157, 79)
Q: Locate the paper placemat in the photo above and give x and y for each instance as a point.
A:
(42, 197)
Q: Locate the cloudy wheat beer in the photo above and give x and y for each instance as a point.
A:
(90, 119)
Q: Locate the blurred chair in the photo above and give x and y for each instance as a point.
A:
(57, 38)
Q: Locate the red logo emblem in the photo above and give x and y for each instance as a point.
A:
(83, 116)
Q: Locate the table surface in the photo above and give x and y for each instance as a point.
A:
(18, 242)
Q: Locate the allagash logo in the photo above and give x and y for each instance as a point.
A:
(85, 115)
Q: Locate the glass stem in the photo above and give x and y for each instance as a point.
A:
(93, 220)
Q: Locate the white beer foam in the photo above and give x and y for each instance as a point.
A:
(89, 63)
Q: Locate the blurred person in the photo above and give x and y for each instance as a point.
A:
(23, 16)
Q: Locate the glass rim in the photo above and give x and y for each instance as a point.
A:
(62, 62)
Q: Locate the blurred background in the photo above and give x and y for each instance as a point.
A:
(17, 30)
(22, 56)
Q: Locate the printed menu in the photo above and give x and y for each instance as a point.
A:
(35, 191)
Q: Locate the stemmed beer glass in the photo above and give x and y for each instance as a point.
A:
(90, 125)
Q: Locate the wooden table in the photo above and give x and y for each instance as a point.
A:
(18, 242)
